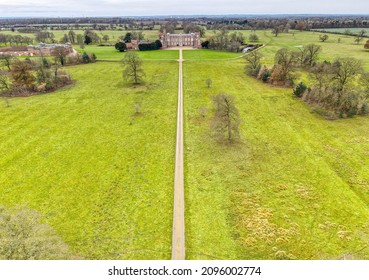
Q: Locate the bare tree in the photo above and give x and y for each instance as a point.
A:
(364, 81)
(226, 119)
(106, 38)
(321, 73)
(312, 53)
(21, 74)
(360, 36)
(72, 36)
(301, 55)
(4, 81)
(276, 30)
(4, 85)
(253, 62)
(323, 38)
(366, 46)
(300, 26)
(286, 60)
(60, 54)
(6, 60)
(133, 68)
(358, 39)
(209, 82)
(23, 237)
(345, 70)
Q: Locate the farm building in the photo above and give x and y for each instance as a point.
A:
(44, 49)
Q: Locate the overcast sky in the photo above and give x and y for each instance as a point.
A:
(70, 8)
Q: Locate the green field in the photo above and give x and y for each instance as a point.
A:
(296, 186)
(110, 53)
(330, 49)
(209, 55)
(343, 30)
(98, 173)
(113, 34)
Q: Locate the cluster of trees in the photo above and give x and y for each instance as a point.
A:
(360, 36)
(135, 35)
(190, 27)
(26, 77)
(340, 88)
(286, 61)
(91, 37)
(73, 38)
(253, 37)
(281, 28)
(169, 26)
(225, 41)
(17, 40)
(61, 57)
(45, 37)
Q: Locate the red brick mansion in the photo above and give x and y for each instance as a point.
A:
(180, 40)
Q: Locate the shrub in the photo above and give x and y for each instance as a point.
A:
(120, 46)
(93, 57)
(148, 46)
(85, 58)
(205, 44)
(158, 44)
(300, 89)
(266, 75)
(253, 37)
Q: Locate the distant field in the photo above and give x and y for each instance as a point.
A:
(295, 187)
(330, 49)
(113, 34)
(343, 30)
(99, 174)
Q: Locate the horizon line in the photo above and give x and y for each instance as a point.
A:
(188, 15)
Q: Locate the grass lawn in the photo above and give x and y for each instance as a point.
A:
(208, 55)
(295, 187)
(98, 173)
(330, 49)
(110, 53)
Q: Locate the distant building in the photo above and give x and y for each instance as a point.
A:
(133, 45)
(180, 40)
(46, 49)
(41, 49)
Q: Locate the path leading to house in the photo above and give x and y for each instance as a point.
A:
(178, 237)
(178, 233)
